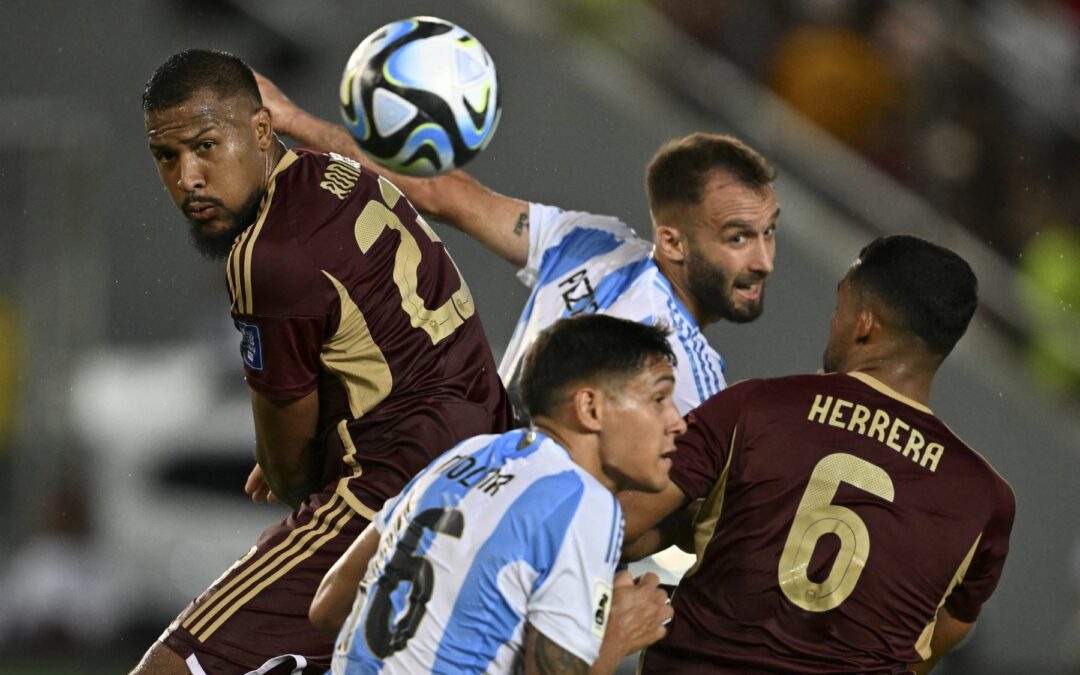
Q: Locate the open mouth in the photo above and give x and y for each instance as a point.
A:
(750, 291)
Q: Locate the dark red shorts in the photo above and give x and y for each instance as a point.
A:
(258, 610)
(255, 616)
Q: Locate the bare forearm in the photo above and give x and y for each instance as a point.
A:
(334, 598)
(285, 446)
(291, 476)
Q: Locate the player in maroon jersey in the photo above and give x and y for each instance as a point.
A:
(360, 342)
(845, 528)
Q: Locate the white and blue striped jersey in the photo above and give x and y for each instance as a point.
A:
(498, 532)
(581, 262)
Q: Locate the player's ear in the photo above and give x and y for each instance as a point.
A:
(586, 405)
(263, 126)
(670, 240)
(865, 323)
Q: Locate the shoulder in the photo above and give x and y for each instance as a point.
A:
(556, 226)
(994, 486)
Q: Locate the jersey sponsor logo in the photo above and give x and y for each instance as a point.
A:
(601, 608)
(250, 345)
(578, 293)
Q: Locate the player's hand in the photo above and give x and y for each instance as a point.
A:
(640, 611)
(283, 111)
(257, 487)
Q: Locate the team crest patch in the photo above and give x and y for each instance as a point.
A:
(250, 345)
(601, 608)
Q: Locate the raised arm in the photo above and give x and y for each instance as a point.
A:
(501, 223)
(285, 445)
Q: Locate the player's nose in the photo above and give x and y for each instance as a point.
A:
(191, 176)
(761, 256)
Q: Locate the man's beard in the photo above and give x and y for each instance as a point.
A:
(216, 245)
(712, 290)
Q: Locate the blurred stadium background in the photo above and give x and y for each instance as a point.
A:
(125, 433)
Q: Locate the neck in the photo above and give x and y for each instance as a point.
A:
(910, 380)
(676, 275)
(274, 154)
(580, 445)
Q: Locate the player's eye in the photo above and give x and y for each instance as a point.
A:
(206, 145)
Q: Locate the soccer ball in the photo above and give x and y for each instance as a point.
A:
(420, 96)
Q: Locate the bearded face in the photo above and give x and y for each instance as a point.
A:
(214, 244)
(733, 295)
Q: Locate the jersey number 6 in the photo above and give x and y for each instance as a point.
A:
(386, 630)
(818, 516)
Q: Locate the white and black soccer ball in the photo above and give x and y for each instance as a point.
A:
(420, 96)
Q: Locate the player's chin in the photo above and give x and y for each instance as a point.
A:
(745, 310)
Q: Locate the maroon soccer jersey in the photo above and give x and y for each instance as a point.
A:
(838, 516)
(340, 286)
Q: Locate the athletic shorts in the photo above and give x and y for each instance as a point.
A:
(254, 618)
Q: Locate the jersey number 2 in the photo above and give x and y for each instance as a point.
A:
(388, 627)
(816, 517)
(438, 322)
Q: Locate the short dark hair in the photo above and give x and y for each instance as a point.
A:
(192, 70)
(932, 289)
(594, 348)
(678, 172)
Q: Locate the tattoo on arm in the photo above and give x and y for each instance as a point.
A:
(522, 223)
(545, 657)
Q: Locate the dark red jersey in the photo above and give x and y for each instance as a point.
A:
(339, 286)
(838, 517)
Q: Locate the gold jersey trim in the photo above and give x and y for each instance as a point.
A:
(354, 358)
(294, 542)
(239, 267)
(874, 383)
(349, 458)
(709, 515)
(922, 645)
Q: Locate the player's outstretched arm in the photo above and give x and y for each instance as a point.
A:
(501, 223)
(285, 445)
(948, 632)
(337, 591)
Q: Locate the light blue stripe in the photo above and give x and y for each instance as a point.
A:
(531, 531)
(681, 329)
(713, 382)
(615, 534)
(577, 247)
(442, 492)
(676, 305)
(615, 284)
(611, 530)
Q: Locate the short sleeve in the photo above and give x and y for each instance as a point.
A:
(564, 239)
(712, 432)
(281, 354)
(571, 606)
(984, 572)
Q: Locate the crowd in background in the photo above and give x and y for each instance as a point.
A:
(973, 104)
